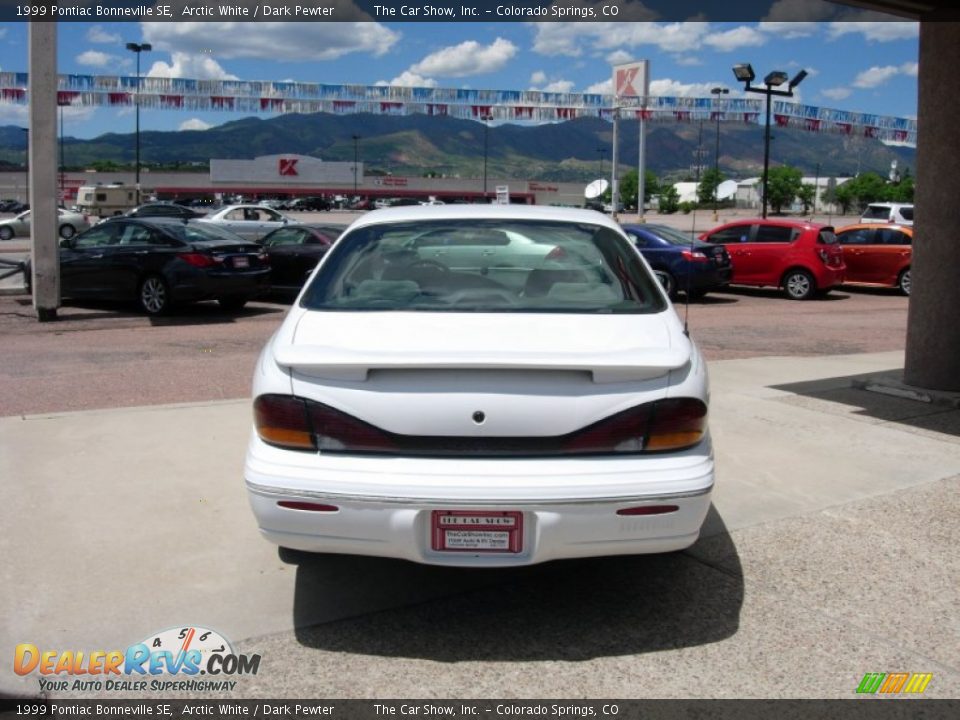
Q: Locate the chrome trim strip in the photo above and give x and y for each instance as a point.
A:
(447, 502)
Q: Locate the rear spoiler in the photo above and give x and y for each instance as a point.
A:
(338, 364)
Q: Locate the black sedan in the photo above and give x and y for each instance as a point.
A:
(294, 252)
(679, 264)
(165, 210)
(161, 262)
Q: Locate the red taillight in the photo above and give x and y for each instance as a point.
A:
(199, 259)
(672, 424)
(308, 506)
(282, 420)
(298, 424)
(622, 432)
(694, 256)
(649, 510)
(338, 432)
(677, 423)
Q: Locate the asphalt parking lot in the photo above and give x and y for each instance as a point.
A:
(829, 551)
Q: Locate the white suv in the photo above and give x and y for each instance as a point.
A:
(897, 213)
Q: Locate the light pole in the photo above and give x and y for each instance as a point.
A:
(138, 48)
(486, 129)
(718, 91)
(601, 150)
(62, 103)
(26, 164)
(356, 160)
(744, 73)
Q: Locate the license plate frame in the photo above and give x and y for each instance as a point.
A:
(241, 262)
(498, 532)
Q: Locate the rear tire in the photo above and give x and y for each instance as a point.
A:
(799, 285)
(6, 233)
(903, 282)
(67, 231)
(668, 282)
(154, 296)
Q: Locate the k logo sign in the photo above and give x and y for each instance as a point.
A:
(288, 166)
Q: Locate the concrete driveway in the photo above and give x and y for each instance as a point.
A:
(829, 553)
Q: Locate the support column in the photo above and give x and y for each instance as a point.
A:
(933, 331)
(43, 169)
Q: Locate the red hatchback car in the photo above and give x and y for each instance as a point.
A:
(877, 255)
(801, 257)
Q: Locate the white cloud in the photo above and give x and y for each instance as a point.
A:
(875, 76)
(875, 31)
(95, 58)
(409, 79)
(194, 124)
(183, 65)
(538, 78)
(736, 38)
(277, 41)
(601, 88)
(467, 58)
(97, 34)
(14, 114)
(911, 68)
(674, 88)
(619, 57)
(570, 39)
(789, 30)
(837, 93)
(559, 86)
(688, 61)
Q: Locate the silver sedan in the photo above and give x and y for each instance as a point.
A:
(70, 223)
(250, 222)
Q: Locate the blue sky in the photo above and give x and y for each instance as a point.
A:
(854, 65)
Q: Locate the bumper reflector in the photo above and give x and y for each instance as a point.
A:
(648, 510)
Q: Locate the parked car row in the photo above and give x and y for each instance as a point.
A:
(802, 258)
(161, 254)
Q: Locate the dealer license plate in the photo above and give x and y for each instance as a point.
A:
(241, 261)
(477, 531)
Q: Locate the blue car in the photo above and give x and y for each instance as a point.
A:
(682, 266)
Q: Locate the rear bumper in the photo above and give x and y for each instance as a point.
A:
(216, 285)
(569, 507)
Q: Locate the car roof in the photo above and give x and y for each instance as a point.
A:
(787, 222)
(414, 213)
(875, 225)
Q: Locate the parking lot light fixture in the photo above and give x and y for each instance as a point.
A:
(744, 73)
(138, 48)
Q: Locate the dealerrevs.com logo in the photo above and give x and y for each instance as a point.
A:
(171, 660)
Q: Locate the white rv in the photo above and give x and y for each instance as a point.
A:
(106, 200)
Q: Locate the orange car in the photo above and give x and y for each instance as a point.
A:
(877, 254)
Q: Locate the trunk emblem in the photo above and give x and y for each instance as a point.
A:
(479, 417)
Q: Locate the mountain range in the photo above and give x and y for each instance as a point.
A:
(419, 144)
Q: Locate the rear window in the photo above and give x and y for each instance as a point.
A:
(876, 212)
(826, 237)
(484, 266)
(906, 213)
(775, 234)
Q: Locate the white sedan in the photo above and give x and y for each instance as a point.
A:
(438, 414)
(68, 224)
(250, 222)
